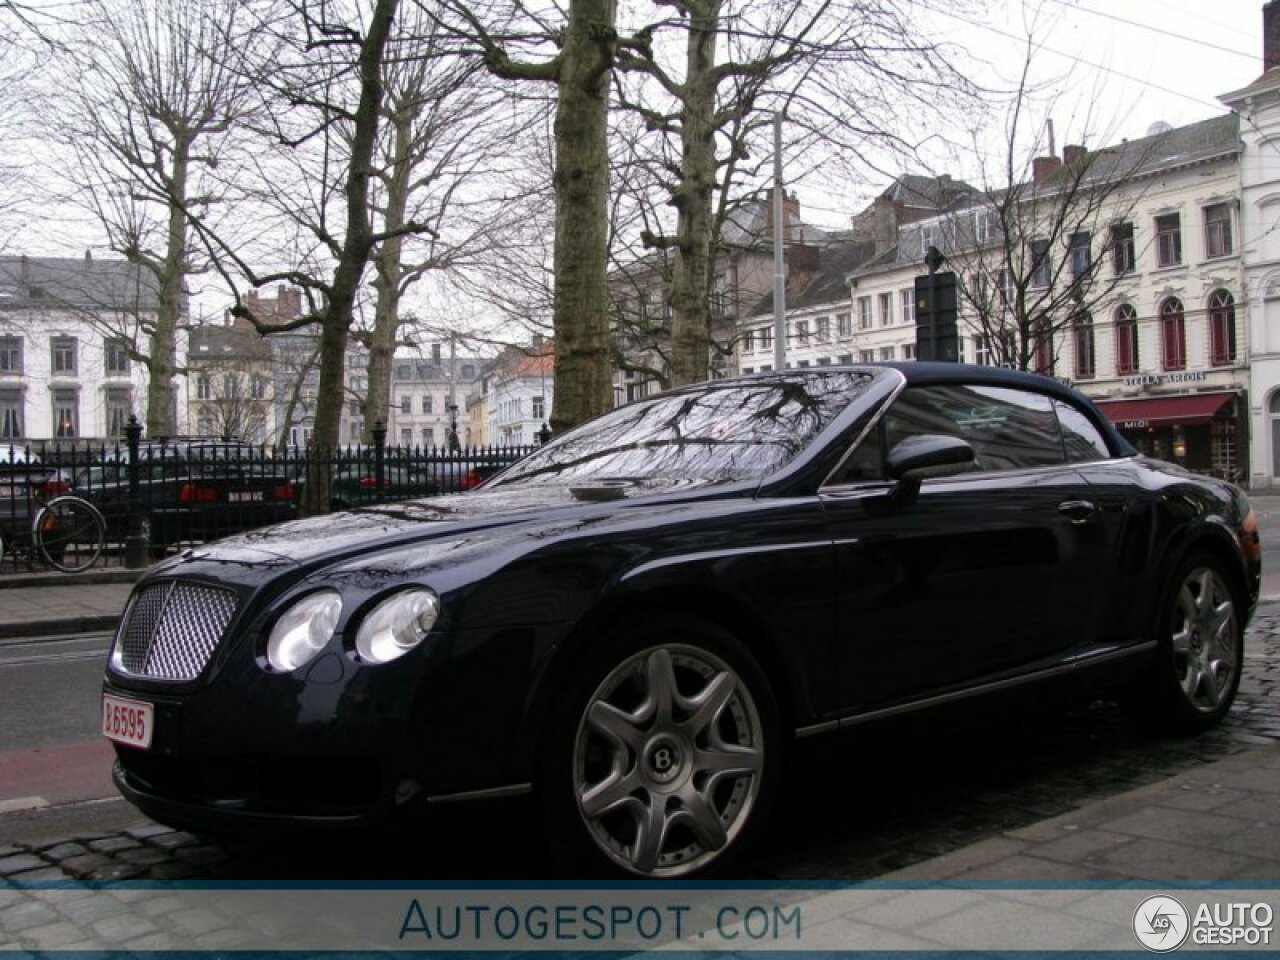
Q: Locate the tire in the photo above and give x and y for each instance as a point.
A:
(1192, 682)
(68, 533)
(663, 756)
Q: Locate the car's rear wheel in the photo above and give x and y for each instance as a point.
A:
(662, 759)
(1200, 652)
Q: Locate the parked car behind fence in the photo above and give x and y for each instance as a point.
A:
(196, 489)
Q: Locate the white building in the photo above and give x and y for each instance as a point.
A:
(518, 395)
(1258, 106)
(1155, 261)
(429, 399)
(70, 329)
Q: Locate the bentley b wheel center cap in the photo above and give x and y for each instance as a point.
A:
(663, 760)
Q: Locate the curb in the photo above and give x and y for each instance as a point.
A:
(63, 627)
(17, 581)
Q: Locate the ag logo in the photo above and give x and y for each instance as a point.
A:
(1161, 924)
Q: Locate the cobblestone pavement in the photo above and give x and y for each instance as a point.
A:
(856, 808)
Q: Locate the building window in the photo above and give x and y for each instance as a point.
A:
(748, 341)
(1169, 240)
(66, 414)
(908, 351)
(203, 390)
(11, 426)
(802, 331)
(1082, 339)
(115, 358)
(886, 309)
(258, 387)
(982, 355)
(1122, 255)
(539, 408)
(844, 325)
(1217, 230)
(1081, 257)
(864, 313)
(1041, 265)
(1042, 345)
(11, 355)
(887, 353)
(1126, 339)
(406, 436)
(867, 356)
(428, 436)
(908, 301)
(824, 329)
(406, 404)
(118, 403)
(766, 338)
(1222, 329)
(63, 350)
(1173, 334)
(426, 403)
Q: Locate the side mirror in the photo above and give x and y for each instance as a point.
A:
(928, 455)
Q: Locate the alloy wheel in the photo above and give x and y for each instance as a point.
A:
(1205, 651)
(668, 760)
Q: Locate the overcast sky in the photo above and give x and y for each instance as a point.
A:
(1147, 60)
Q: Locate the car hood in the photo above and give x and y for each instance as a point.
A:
(331, 538)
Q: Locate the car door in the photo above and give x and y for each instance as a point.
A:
(977, 578)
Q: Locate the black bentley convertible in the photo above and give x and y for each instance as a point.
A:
(636, 621)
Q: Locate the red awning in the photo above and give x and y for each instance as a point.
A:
(1140, 414)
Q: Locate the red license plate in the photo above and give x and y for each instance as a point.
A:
(127, 721)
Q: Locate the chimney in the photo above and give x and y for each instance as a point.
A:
(1042, 168)
(790, 213)
(1271, 35)
(1072, 154)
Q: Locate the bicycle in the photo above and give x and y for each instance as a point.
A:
(68, 533)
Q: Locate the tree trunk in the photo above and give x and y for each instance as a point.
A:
(386, 282)
(164, 338)
(583, 384)
(691, 271)
(356, 247)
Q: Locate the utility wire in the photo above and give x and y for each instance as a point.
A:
(1159, 30)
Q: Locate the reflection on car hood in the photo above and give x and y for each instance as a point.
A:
(395, 524)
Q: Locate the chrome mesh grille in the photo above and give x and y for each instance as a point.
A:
(171, 630)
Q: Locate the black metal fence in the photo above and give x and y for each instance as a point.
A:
(160, 495)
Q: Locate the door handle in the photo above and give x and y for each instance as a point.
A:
(1077, 511)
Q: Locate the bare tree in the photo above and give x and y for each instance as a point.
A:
(1045, 242)
(154, 95)
(440, 154)
(323, 92)
(843, 71)
(585, 40)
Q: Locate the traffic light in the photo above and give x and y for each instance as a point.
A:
(937, 336)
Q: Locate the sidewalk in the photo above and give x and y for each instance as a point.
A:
(46, 605)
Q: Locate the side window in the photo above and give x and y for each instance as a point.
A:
(1082, 440)
(866, 463)
(1009, 429)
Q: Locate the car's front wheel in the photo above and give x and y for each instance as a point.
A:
(1199, 653)
(662, 759)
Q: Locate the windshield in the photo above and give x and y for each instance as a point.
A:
(719, 432)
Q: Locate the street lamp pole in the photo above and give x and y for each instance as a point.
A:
(779, 257)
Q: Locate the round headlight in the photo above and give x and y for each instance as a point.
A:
(397, 625)
(303, 630)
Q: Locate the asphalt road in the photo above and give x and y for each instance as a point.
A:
(51, 751)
